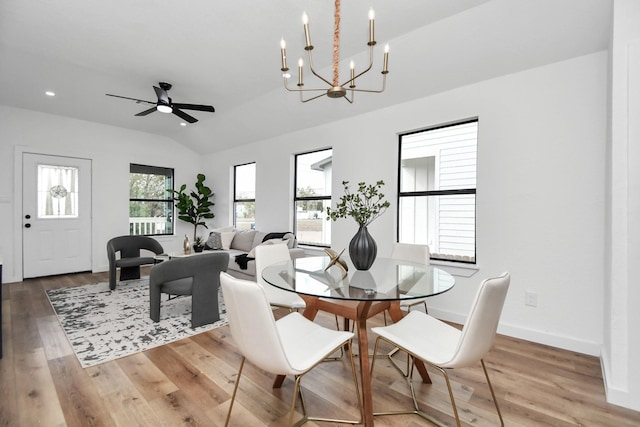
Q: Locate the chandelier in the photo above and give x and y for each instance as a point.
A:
(334, 88)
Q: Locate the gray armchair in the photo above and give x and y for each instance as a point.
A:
(198, 276)
(130, 259)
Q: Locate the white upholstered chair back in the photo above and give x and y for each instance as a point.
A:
(271, 254)
(480, 328)
(414, 253)
(252, 324)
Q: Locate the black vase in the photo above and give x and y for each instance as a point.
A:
(363, 249)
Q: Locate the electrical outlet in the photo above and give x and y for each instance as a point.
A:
(531, 299)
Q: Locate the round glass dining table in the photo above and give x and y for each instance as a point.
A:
(358, 295)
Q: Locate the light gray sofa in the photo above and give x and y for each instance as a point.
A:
(242, 244)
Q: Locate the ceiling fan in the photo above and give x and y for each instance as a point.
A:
(165, 105)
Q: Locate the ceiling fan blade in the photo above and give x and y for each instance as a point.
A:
(163, 96)
(198, 107)
(183, 115)
(139, 101)
(145, 112)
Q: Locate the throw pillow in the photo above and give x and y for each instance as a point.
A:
(252, 252)
(214, 241)
(290, 240)
(227, 237)
(243, 240)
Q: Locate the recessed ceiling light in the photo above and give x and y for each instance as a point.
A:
(49, 93)
(183, 124)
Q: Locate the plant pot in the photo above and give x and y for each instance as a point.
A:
(363, 249)
(197, 248)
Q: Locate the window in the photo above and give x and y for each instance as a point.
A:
(312, 197)
(437, 190)
(244, 196)
(150, 201)
(57, 191)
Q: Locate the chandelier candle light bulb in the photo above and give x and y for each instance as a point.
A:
(300, 64)
(372, 40)
(385, 62)
(283, 52)
(353, 74)
(307, 37)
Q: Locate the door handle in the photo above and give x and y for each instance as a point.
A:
(27, 225)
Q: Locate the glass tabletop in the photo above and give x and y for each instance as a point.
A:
(386, 280)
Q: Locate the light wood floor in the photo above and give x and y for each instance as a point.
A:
(190, 382)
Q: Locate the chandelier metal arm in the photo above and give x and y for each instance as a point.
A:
(353, 79)
(384, 84)
(312, 98)
(314, 71)
(300, 89)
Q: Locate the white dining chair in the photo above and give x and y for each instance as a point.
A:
(292, 345)
(444, 347)
(419, 254)
(271, 254)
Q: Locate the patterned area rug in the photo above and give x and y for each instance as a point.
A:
(104, 325)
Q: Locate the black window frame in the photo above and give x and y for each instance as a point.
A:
(297, 198)
(428, 193)
(155, 170)
(235, 199)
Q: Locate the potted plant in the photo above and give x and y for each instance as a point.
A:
(198, 244)
(194, 206)
(365, 205)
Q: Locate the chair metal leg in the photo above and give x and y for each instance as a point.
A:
(408, 378)
(417, 410)
(453, 401)
(297, 391)
(493, 395)
(235, 390)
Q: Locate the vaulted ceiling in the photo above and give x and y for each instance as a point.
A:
(226, 53)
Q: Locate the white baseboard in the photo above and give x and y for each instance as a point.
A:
(616, 395)
(540, 337)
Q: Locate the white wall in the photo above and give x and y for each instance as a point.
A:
(621, 349)
(110, 149)
(540, 201)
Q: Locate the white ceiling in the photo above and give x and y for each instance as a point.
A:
(227, 54)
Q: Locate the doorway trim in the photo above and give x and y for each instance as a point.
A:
(19, 151)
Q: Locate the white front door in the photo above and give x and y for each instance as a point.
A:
(56, 217)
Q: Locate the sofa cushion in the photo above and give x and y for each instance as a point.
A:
(243, 240)
(214, 241)
(259, 238)
(233, 265)
(252, 252)
(227, 238)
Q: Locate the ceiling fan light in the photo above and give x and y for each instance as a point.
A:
(164, 108)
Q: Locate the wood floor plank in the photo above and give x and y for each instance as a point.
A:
(54, 341)
(37, 398)
(190, 382)
(8, 403)
(146, 376)
(177, 409)
(79, 399)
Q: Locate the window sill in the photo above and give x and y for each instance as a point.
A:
(456, 268)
